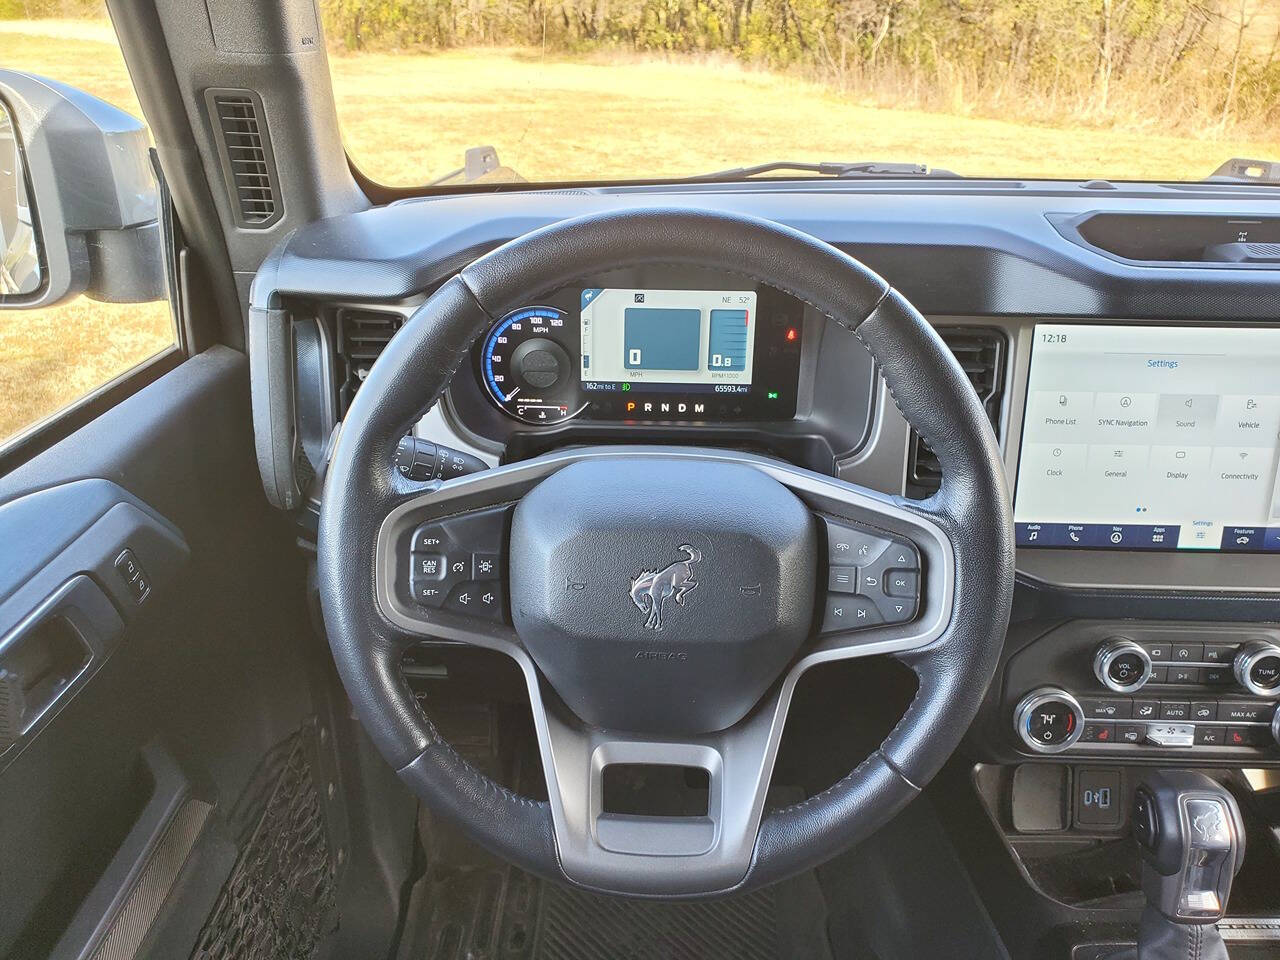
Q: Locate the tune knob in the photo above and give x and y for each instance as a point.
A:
(1121, 665)
(1048, 720)
(1257, 668)
(540, 364)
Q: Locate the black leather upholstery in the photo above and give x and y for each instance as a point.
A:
(1159, 938)
(360, 490)
(973, 508)
(928, 385)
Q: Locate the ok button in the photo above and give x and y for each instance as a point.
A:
(901, 583)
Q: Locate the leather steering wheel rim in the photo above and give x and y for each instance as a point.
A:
(971, 509)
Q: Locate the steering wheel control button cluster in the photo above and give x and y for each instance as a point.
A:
(1049, 720)
(449, 559)
(1122, 665)
(871, 579)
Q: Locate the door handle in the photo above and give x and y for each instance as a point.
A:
(49, 655)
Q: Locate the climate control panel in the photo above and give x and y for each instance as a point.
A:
(1134, 688)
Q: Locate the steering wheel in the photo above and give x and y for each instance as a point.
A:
(662, 602)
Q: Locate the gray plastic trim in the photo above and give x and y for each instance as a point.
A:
(649, 856)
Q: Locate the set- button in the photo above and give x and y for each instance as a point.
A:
(871, 579)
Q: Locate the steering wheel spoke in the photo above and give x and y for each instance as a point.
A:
(641, 852)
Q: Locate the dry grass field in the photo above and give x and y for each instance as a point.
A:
(409, 117)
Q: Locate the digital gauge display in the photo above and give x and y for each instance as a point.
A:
(624, 354)
(526, 367)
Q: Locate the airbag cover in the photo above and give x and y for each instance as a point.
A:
(662, 596)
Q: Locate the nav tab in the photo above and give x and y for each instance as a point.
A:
(1271, 539)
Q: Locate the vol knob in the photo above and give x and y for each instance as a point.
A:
(1121, 665)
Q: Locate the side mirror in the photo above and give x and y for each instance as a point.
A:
(79, 208)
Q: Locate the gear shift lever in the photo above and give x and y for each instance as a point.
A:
(1192, 841)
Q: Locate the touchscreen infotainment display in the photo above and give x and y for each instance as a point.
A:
(1151, 438)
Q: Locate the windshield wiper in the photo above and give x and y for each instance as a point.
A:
(870, 168)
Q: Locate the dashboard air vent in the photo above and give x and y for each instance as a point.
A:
(981, 352)
(362, 335)
(248, 165)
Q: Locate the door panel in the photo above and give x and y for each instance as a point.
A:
(144, 721)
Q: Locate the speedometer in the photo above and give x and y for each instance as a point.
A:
(527, 367)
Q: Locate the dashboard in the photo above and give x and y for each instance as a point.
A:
(1132, 389)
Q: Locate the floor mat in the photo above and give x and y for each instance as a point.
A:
(500, 913)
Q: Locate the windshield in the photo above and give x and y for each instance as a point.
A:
(592, 90)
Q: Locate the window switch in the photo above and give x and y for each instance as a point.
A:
(127, 566)
(132, 576)
(140, 587)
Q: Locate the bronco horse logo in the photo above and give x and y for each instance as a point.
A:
(652, 588)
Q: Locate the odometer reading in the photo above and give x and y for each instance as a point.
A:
(526, 367)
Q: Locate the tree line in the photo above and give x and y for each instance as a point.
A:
(1183, 61)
